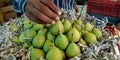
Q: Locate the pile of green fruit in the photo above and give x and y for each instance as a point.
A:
(57, 41)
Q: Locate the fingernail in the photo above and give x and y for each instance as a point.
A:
(59, 12)
(57, 18)
(53, 22)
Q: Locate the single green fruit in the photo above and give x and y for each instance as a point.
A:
(38, 40)
(97, 33)
(63, 55)
(50, 36)
(48, 25)
(67, 25)
(36, 54)
(27, 26)
(37, 26)
(73, 35)
(72, 50)
(57, 27)
(90, 38)
(79, 22)
(88, 27)
(61, 41)
(22, 38)
(77, 26)
(25, 45)
(26, 21)
(82, 42)
(14, 28)
(48, 45)
(15, 39)
(30, 34)
(54, 54)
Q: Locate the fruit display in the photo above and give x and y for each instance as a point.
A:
(64, 40)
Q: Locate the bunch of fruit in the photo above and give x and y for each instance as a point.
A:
(57, 41)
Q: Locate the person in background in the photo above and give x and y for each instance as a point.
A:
(43, 11)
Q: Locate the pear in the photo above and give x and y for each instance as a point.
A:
(77, 26)
(88, 27)
(82, 42)
(63, 55)
(97, 33)
(14, 27)
(50, 36)
(22, 37)
(67, 25)
(37, 26)
(47, 25)
(57, 27)
(79, 22)
(54, 54)
(30, 33)
(27, 26)
(90, 38)
(39, 40)
(73, 35)
(36, 54)
(61, 41)
(48, 45)
(72, 50)
(25, 45)
(26, 21)
(15, 39)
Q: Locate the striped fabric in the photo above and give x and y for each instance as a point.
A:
(65, 4)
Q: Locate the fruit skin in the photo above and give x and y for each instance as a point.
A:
(72, 50)
(14, 28)
(73, 35)
(54, 54)
(48, 45)
(15, 39)
(22, 37)
(90, 38)
(88, 27)
(82, 42)
(57, 27)
(36, 54)
(37, 26)
(50, 36)
(27, 26)
(77, 26)
(26, 21)
(67, 25)
(38, 40)
(61, 41)
(30, 34)
(97, 33)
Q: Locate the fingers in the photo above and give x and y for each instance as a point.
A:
(52, 6)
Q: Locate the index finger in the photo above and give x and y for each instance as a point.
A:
(52, 6)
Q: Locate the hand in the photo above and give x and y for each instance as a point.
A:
(42, 11)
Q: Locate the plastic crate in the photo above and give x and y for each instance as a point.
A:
(108, 8)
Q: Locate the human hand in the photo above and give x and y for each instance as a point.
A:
(42, 11)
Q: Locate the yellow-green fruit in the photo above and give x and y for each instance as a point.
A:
(22, 38)
(36, 54)
(54, 54)
(48, 45)
(97, 33)
(77, 26)
(27, 26)
(25, 45)
(38, 40)
(50, 36)
(26, 21)
(37, 26)
(14, 28)
(63, 55)
(82, 41)
(67, 25)
(61, 41)
(79, 21)
(15, 39)
(72, 50)
(57, 27)
(88, 27)
(73, 35)
(30, 34)
(90, 38)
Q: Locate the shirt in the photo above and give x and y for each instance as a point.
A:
(19, 5)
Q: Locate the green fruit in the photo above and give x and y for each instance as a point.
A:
(73, 35)
(15, 39)
(38, 40)
(30, 34)
(48, 45)
(50, 36)
(67, 25)
(54, 54)
(61, 41)
(27, 26)
(36, 54)
(72, 50)
(77, 26)
(22, 38)
(26, 21)
(88, 27)
(14, 28)
(37, 26)
(47, 25)
(25, 45)
(82, 42)
(79, 22)
(63, 55)
(97, 33)
(58, 27)
(90, 38)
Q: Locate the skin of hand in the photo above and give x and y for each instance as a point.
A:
(42, 11)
